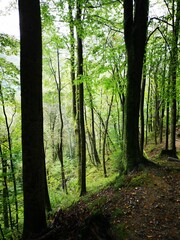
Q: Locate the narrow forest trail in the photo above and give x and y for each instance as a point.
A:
(143, 205)
(152, 211)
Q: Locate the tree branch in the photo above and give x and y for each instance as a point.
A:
(161, 20)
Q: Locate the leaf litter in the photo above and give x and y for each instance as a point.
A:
(146, 207)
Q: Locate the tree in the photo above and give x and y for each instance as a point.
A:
(72, 56)
(8, 85)
(173, 66)
(57, 78)
(135, 28)
(32, 118)
(4, 163)
(80, 103)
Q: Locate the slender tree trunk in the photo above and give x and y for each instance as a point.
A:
(147, 111)
(52, 131)
(96, 156)
(105, 137)
(167, 121)
(142, 107)
(161, 124)
(82, 135)
(123, 115)
(163, 100)
(6, 201)
(10, 155)
(90, 152)
(72, 57)
(118, 124)
(156, 114)
(100, 126)
(60, 144)
(60, 149)
(93, 137)
(2, 234)
(75, 96)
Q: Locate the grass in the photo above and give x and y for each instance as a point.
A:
(95, 182)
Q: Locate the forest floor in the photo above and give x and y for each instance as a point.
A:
(142, 205)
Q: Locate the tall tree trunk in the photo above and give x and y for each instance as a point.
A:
(163, 100)
(82, 135)
(167, 119)
(142, 107)
(72, 57)
(32, 118)
(60, 145)
(156, 113)
(173, 66)
(135, 29)
(123, 115)
(147, 111)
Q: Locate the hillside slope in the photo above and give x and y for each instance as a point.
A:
(143, 205)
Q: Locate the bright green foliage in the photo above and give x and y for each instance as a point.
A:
(105, 75)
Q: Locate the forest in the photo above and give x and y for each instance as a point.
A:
(89, 120)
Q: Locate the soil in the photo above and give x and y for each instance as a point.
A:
(143, 205)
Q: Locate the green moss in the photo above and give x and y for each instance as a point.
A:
(118, 212)
(119, 231)
(120, 181)
(140, 180)
(95, 205)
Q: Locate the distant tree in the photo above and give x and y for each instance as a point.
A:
(72, 56)
(60, 154)
(4, 162)
(8, 85)
(32, 118)
(135, 29)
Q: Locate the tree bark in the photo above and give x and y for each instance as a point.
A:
(32, 118)
(82, 135)
(173, 66)
(135, 29)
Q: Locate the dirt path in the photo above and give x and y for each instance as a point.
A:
(153, 212)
